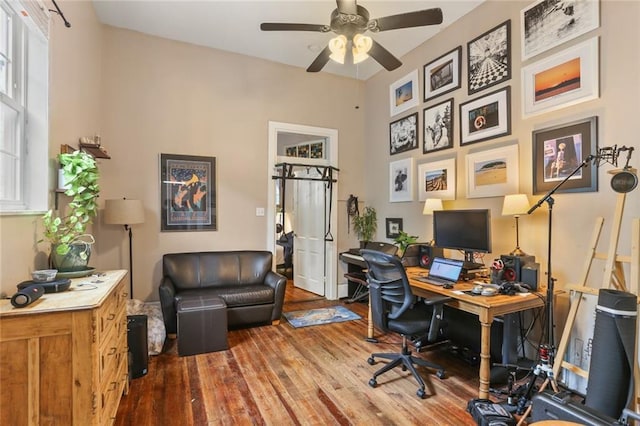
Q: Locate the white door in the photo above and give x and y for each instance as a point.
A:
(309, 253)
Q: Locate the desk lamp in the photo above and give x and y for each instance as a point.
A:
(515, 205)
(430, 205)
(125, 212)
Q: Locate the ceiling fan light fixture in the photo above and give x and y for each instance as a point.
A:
(361, 46)
(338, 47)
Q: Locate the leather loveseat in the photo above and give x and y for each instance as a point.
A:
(253, 293)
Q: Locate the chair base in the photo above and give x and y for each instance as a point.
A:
(408, 362)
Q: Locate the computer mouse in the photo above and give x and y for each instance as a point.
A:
(448, 286)
(489, 291)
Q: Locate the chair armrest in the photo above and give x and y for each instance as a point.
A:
(279, 284)
(435, 299)
(167, 292)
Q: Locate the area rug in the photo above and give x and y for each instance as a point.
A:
(320, 316)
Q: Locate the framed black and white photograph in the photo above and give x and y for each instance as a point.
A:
(559, 150)
(401, 180)
(316, 150)
(393, 226)
(403, 94)
(403, 134)
(188, 193)
(486, 118)
(493, 172)
(489, 58)
(442, 75)
(548, 23)
(438, 127)
(437, 179)
(567, 78)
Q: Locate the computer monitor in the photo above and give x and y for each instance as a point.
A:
(466, 230)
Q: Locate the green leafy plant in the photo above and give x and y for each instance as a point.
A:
(81, 176)
(403, 240)
(366, 224)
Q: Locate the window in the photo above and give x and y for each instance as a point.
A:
(24, 91)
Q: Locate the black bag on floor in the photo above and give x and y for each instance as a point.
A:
(487, 413)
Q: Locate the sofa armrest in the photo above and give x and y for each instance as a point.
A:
(167, 293)
(279, 283)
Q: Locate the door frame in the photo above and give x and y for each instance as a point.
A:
(331, 255)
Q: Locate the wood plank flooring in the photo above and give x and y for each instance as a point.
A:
(280, 375)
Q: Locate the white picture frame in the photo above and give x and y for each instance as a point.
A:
(545, 25)
(486, 117)
(437, 179)
(401, 180)
(545, 86)
(403, 93)
(493, 172)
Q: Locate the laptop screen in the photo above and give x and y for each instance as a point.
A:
(448, 269)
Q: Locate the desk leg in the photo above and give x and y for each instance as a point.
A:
(370, 337)
(485, 358)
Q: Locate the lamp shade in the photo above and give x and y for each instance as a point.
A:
(515, 205)
(338, 47)
(432, 204)
(361, 46)
(123, 212)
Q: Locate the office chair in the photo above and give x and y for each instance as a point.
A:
(362, 290)
(394, 308)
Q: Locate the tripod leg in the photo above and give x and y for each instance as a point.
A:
(528, 410)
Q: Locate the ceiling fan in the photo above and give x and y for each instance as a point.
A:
(350, 21)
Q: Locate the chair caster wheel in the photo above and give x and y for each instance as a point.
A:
(404, 368)
(371, 361)
(421, 394)
(373, 383)
(440, 374)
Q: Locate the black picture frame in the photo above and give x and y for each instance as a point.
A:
(437, 127)
(559, 150)
(443, 74)
(489, 58)
(403, 134)
(393, 226)
(188, 193)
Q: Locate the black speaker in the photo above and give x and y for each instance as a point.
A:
(137, 342)
(530, 275)
(513, 266)
(26, 296)
(427, 253)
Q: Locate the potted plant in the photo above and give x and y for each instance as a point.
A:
(70, 243)
(365, 225)
(403, 240)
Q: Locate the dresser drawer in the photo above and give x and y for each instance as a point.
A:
(113, 348)
(110, 394)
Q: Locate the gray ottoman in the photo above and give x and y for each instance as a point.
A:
(202, 325)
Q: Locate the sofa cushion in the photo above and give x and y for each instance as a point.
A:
(233, 295)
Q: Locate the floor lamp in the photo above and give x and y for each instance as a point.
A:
(515, 205)
(125, 212)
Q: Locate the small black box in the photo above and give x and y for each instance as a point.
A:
(202, 325)
(137, 342)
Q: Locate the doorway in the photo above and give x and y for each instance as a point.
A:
(315, 251)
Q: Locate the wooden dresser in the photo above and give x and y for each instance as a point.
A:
(63, 359)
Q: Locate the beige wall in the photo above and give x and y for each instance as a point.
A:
(574, 215)
(147, 95)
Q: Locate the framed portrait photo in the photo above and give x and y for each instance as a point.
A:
(393, 226)
(437, 122)
(493, 172)
(486, 118)
(442, 75)
(561, 80)
(559, 150)
(188, 193)
(547, 24)
(401, 180)
(437, 179)
(403, 134)
(489, 58)
(403, 94)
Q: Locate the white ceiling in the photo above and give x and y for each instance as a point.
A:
(235, 26)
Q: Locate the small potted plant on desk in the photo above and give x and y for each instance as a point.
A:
(403, 240)
(70, 244)
(365, 225)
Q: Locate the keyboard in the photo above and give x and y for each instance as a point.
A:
(434, 281)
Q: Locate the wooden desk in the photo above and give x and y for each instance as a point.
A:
(485, 307)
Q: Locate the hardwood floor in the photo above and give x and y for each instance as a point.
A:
(280, 375)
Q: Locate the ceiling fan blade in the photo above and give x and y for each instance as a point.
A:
(320, 61)
(408, 20)
(348, 7)
(274, 26)
(384, 57)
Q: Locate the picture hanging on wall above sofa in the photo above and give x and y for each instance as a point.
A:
(188, 193)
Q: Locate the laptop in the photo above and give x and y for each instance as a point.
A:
(443, 272)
